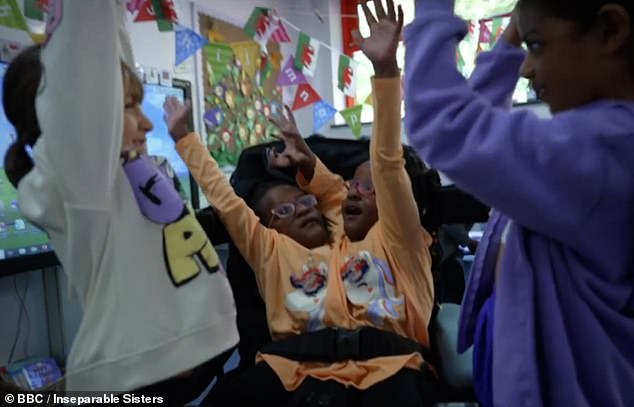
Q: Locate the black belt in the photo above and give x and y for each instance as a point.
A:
(336, 345)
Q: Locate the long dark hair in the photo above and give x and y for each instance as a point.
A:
(21, 82)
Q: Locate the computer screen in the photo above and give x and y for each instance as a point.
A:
(22, 245)
(159, 142)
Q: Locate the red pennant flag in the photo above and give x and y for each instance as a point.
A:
(146, 12)
(305, 96)
(281, 35)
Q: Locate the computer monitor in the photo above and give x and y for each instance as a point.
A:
(23, 247)
(159, 141)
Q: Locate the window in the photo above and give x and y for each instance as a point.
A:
(471, 10)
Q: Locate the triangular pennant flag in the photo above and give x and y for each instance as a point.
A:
(33, 10)
(352, 116)
(497, 29)
(146, 12)
(219, 58)
(11, 15)
(322, 114)
(261, 25)
(306, 54)
(347, 77)
(305, 96)
(281, 35)
(369, 100)
(187, 42)
(248, 53)
(165, 13)
(289, 75)
(485, 33)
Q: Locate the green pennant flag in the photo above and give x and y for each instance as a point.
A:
(11, 15)
(162, 20)
(496, 30)
(306, 54)
(32, 10)
(352, 116)
(219, 57)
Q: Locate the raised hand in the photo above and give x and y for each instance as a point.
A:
(176, 117)
(511, 33)
(385, 33)
(296, 152)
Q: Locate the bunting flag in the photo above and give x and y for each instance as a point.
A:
(165, 13)
(146, 12)
(281, 35)
(352, 116)
(497, 30)
(33, 10)
(289, 75)
(306, 54)
(347, 77)
(485, 33)
(219, 58)
(187, 43)
(11, 15)
(305, 96)
(248, 53)
(322, 114)
(369, 100)
(261, 26)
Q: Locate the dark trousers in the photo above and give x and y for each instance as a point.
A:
(260, 386)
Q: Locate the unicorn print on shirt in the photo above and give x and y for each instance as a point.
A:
(309, 293)
(369, 281)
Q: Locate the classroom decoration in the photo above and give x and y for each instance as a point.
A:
(322, 114)
(307, 54)
(305, 96)
(352, 116)
(261, 25)
(11, 16)
(248, 54)
(161, 11)
(289, 75)
(347, 77)
(219, 57)
(187, 43)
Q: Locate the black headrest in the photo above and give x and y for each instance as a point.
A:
(340, 156)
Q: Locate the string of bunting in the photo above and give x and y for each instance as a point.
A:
(263, 25)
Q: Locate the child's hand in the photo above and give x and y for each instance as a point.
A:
(176, 117)
(385, 33)
(296, 152)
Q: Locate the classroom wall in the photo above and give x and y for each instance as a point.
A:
(155, 49)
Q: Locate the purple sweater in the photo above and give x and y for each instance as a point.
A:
(563, 332)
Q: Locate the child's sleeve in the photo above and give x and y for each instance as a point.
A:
(399, 219)
(328, 188)
(496, 73)
(540, 173)
(80, 103)
(256, 242)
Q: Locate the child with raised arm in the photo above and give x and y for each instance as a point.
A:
(372, 287)
(550, 303)
(156, 308)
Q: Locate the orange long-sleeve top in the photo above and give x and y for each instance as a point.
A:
(383, 281)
